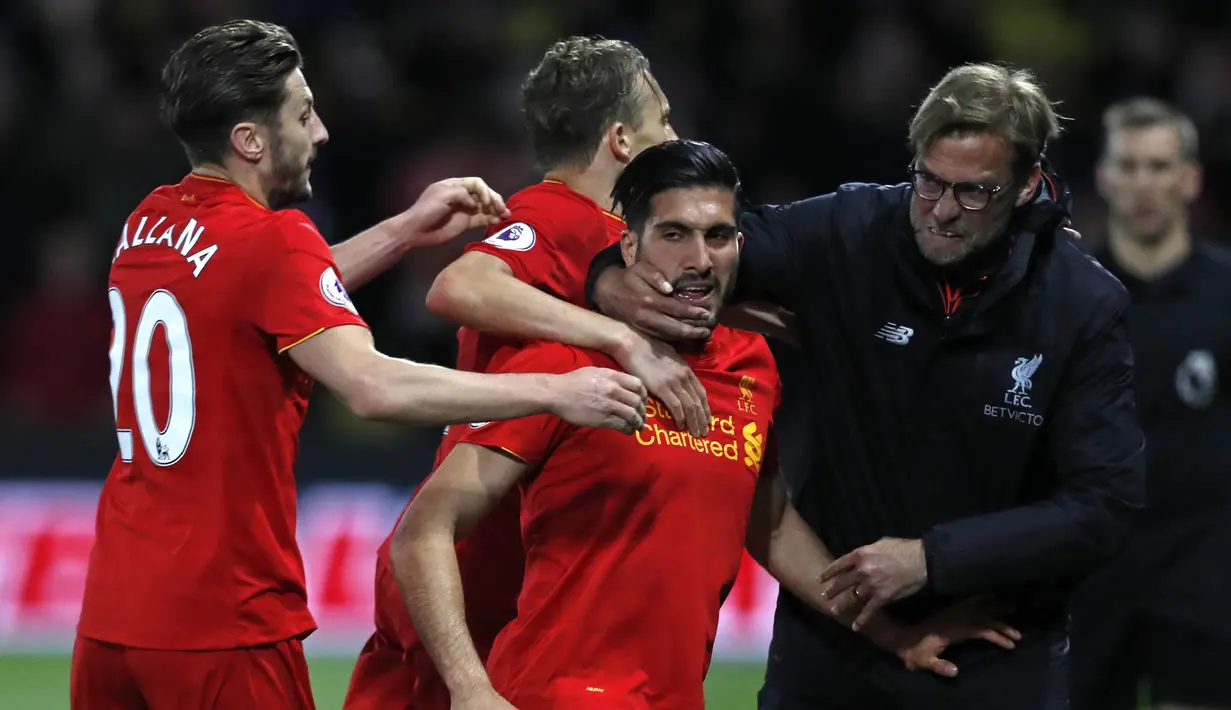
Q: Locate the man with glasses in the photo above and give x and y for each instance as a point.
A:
(971, 421)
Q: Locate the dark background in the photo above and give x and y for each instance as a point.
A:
(803, 94)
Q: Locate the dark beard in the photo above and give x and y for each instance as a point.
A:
(290, 181)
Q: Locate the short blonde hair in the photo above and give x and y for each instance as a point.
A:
(1146, 112)
(988, 98)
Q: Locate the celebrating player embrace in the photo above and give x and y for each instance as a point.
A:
(631, 543)
(226, 308)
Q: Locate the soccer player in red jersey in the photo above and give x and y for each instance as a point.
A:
(631, 542)
(591, 105)
(226, 308)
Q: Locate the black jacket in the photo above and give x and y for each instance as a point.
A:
(1175, 564)
(999, 426)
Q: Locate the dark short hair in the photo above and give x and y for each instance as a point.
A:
(224, 75)
(582, 86)
(667, 166)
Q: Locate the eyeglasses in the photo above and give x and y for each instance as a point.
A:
(970, 196)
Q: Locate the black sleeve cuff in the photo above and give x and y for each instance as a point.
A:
(605, 259)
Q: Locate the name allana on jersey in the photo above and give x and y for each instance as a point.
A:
(182, 239)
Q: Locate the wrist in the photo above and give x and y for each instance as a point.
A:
(544, 393)
(622, 342)
(404, 229)
(472, 688)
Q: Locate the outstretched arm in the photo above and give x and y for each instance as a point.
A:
(445, 210)
(376, 386)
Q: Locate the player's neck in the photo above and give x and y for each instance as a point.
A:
(591, 182)
(246, 181)
(1150, 261)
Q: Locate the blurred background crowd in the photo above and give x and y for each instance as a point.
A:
(804, 94)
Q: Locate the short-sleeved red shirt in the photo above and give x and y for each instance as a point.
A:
(548, 241)
(631, 542)
(195, 544)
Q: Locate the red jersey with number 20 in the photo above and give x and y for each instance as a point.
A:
(632, 542)
(195, 543)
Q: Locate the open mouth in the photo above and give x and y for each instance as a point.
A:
(944, 234)
(694, 293)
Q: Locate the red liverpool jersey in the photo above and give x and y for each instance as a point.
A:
(548, 242)
(195, 545)
(631, 542)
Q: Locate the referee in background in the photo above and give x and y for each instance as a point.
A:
(1156, 621)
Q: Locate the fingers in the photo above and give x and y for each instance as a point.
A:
(997, 638)
(488, 199)
(664, 326)
(625, 419)
(1007, 630)
(674, 407)
(651, 276)
(847, 581)
(628, 395)
(845, 563)
(458, 196)
(941, 667)
(698, 391)
(694, 411)
(630, 383)
(872, 606)
(842, 607)
(629, 398)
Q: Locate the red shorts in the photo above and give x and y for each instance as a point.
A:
(110, 677)
(386, 677)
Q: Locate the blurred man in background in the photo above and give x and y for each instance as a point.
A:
(974, 426)
(1156, 620)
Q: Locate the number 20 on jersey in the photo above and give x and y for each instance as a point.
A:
(165, 445)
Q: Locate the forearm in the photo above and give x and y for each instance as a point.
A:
(421, 394)
(426, 569)
(372, 251)
(1053, 541)
(492, 300)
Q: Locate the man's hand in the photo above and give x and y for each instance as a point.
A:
(965, 621)
(639, 295)
(668, 378)
(450, 207)
(599, 397)
(876, 574)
